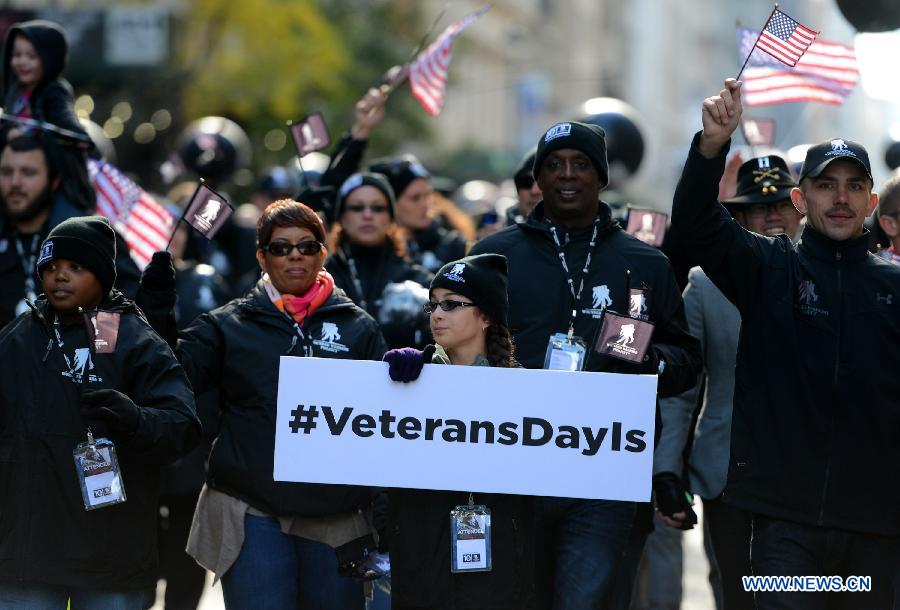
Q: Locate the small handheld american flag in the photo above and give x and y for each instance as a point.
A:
(142, 221)
(428, 72)
(783, 38)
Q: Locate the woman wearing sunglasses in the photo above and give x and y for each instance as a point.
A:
(369, 261)
(273, 543)
(468, 309)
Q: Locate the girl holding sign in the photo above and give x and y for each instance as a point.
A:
(481, 556)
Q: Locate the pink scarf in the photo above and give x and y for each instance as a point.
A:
(301, 307)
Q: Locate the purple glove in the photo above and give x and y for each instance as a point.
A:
(406, 362)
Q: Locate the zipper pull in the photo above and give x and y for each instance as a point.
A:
(47, 353)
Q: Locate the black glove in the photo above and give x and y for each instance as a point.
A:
(360, 560)
(406, 363)
(113, 410)
(156, 296)
(673, 497)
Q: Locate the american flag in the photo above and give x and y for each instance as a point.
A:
(141, 220)
(428, 72)
(785, 39)
(827, 73)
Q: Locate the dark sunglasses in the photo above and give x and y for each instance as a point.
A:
(446, 305)
(358, 208)
(524, 181)
(283, 248)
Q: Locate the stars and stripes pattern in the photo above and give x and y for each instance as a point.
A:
(141, 220)
(827, 73)
(428, 72)
(785, 39)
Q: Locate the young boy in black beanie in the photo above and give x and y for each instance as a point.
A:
(82, 364)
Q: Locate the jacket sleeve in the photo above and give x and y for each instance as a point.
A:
(731, 256)
(673, 343)
(200, 351)
(57, 106)
(345, 161)
(168, 427)
(677, 412)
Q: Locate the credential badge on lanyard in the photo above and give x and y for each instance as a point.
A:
(470, 538)
(626, 337)
(98, 473)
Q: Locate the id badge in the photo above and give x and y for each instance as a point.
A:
(106, 331)
(624, 337)
(470, 539)
(98, 473)
(565, 353)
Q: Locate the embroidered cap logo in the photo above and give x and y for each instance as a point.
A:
(46, 253)
(456, 272)
(558, 131)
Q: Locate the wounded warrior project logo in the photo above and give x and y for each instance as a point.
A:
(208, 215)
(600, 300)
(456, 272)
(839, 148)
(330, 338)
(808, 297)
(80, 363)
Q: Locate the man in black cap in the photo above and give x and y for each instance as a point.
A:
(812, 457)
(570, 263)
(762, 205)
(527, 190)
(32, 204)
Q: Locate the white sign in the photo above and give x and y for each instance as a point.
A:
(466, 428)
(136, 36)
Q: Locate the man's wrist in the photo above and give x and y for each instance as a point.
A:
(710, 147)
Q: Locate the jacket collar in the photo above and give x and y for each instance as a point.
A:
(819, 246)
(440, 357)
(537, 220)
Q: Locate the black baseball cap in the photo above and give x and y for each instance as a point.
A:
(819, 156)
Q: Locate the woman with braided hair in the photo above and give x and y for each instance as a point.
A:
(468, 307)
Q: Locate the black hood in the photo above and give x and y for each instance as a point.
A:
(49, 40)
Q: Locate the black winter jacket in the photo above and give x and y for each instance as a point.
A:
(46, 535)
(237, 348)
(435, 246)
(816, 425)
(419, 537)
(379, 267)
(540, 302)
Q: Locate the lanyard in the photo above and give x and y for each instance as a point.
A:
(28, 263)
(576, 296)
(357, 282)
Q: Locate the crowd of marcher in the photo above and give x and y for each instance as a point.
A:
(137, 409)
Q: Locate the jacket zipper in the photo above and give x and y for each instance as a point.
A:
(834, 391)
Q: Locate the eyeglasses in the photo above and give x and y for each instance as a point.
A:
(446, 305)
(760, 209)
(284, 248)
(358, 208)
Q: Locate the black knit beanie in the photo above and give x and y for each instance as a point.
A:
(482, 278)
(364, 179)
(589, 139)
(87, 240)
(401, 172)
